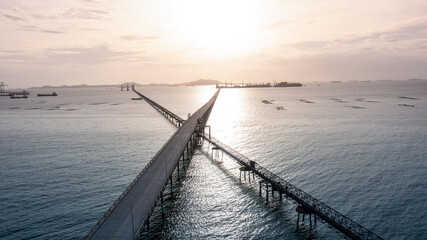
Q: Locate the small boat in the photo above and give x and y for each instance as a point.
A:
(53, 94)
(406, 105)
(280, 108)
(266, 102)
(137, 98)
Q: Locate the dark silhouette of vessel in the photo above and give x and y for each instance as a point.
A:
(263, 85)
(53, 94)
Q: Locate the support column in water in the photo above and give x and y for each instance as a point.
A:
(161, 201)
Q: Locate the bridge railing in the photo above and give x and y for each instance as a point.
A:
(158, 106)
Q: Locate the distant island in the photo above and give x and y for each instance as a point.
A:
(218, 84)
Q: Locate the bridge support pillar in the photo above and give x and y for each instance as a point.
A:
(266, 192)
(171, 184)
(148, 228)
(161, 201)
(207, 126)
(183, 157)
(177, 168)
(260, 185)
(304, 211)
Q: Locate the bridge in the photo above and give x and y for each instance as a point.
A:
(128, 215)
(307, 204)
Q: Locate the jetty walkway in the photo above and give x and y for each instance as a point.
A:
(128, 215)
(307, 204)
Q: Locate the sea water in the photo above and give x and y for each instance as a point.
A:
(359, 147)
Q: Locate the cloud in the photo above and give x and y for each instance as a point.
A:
(18, 15)
(30, 27)
(345, 66)
(14, 14)
(409, 32)
(74, 13)
(279, 24)
(91, 56)
(44, 16)
(307, 45)
(33, 28)
(96, 55)
(138, 38)
(82, 56)
(13, 57)
(51, 31)
(403, 40)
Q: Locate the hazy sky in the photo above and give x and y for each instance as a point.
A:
(57, 42)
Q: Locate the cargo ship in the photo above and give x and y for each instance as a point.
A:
(266, 85)
(53, 94)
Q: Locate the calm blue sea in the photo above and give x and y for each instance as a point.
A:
(360, 147)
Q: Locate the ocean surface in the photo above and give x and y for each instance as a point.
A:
(359, 147)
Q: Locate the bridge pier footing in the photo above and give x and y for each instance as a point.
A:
(266, 192)
(244, 170)
(148, 228)
(177, 168)
(183, 158)
(161, 202)
(171, 185)
(304, 211)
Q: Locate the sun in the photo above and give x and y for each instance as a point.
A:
(217, 28)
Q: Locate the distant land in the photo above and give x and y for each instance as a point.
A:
(200, 82)
(204, 82)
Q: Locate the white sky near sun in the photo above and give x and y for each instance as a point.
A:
(66, 42)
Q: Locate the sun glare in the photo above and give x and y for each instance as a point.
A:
(227, 111)
(217, 28)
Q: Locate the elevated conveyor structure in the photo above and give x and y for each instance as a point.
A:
(128, 215)
(344, 225)
(172, 117)
(310, 204)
